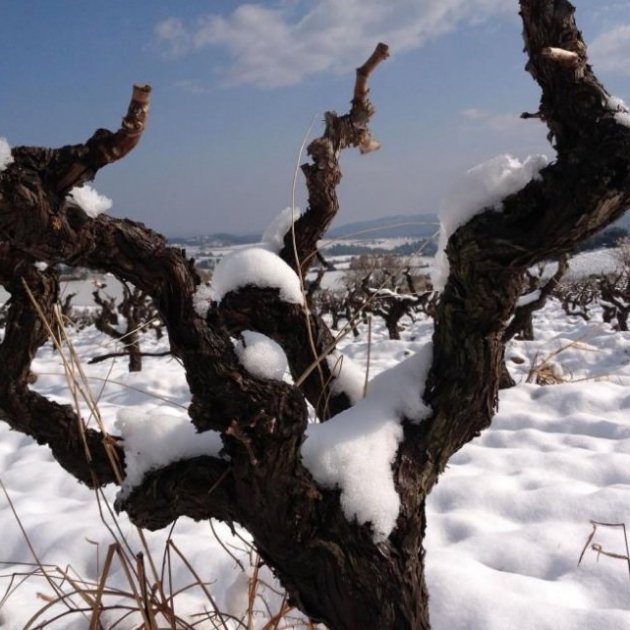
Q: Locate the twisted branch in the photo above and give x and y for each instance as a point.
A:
(323, 174)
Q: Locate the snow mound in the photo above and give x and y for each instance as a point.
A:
(201, 300)
(259, 267)
(261, 356)
(622, 115)
(273, 236)
(348, 377)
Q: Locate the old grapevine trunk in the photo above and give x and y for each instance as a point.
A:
(332, 567)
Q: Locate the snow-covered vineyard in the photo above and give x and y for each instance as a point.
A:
(507, 523)
(427, 431)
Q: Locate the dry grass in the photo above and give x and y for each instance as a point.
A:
(546, 370)
(134, 586)
(600, 551)
(147, 600)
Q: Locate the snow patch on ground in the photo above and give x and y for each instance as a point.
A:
(599, 261)
(506, 523)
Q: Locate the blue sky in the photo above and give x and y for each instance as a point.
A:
(236, 86)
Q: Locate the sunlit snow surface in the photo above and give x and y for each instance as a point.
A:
(622, 116)
(506, 523)
(258, 265)
(348, 377)
(155, 439)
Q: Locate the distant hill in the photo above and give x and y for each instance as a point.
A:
(418, 226)
(409, 225)
(220, 239)
(404, 225)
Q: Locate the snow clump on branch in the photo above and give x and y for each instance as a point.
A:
(482, 188)
(202, 297)
(618, 106)
(261, 356)
(355, 449)
(6, 157)
(273, 236)
(89, 200)
(155, 439)
(258, 267)
(528, 298)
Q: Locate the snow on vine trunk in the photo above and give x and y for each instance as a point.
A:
(261, 356)
(6, 157)
(155, 439)
(355, 449)
(273, 236)
(256, 266)
(483, 187)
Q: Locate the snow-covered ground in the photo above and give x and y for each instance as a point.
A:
(507, 522)
(510, 517)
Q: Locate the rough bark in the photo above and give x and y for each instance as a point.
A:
(332, 568)
(304, 337)
(300, 250)
(583, 191)
(324, 174)
(91, 457)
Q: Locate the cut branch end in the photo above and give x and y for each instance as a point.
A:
(381, 52)
(561, 56)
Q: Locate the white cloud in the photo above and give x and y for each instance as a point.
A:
(174, 35)
(609, 51)
(608, 10)
(275, 44)
(193, 86)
